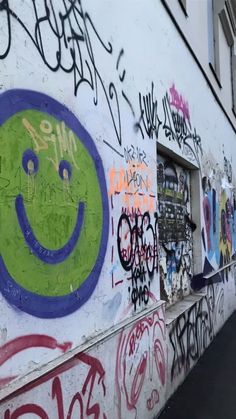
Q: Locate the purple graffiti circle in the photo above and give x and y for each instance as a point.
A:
(18, 100)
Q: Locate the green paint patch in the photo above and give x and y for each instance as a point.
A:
(51, 196)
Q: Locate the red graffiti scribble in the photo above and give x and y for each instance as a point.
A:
(141, 362)
(159, 356)
(57, 394)
(82, 402)
(19, 344)
(95, 409)
(154, 399)
(9, 349)
(179, 103)
(6, 380)
(77, 398)
(26, 409)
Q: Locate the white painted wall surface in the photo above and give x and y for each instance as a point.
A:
(197, 29)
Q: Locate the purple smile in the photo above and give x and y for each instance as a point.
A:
(44, 254)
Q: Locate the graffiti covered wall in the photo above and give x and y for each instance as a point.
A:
(91, 384)
(98, 146)
(78, 218)
(192, 332)
(219, 206)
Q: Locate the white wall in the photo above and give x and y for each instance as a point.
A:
(197, 29)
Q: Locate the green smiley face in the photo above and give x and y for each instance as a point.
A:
(52, 205)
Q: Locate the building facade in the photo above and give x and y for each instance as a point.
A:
(118, 201)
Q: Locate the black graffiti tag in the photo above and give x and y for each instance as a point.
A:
(137, 249)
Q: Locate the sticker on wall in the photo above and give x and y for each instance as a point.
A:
(53, 206)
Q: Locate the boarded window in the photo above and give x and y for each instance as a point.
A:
(175, 229)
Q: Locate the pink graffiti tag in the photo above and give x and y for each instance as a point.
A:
(141, 363)
(154, 399)
(179, 103)
(22, 343)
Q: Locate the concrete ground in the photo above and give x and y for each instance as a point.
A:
(209, 392)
